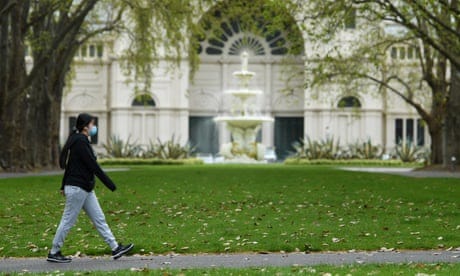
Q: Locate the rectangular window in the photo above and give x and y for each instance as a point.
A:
(100, 50)
(394, 52)
(350, 19)
(398, 131)
(410, 52)
(402, 53)
(420, 133)
(410, 130)
(92, 51)
(83, 50)
(72, 123)
(417, 52)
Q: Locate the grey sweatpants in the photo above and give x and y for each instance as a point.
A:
(77, 199)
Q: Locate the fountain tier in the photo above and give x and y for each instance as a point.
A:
(244, 121)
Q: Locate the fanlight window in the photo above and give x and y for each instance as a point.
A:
(349, 101)
(233, 41)
(143, 100)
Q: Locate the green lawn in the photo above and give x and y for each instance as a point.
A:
(368, 269)
(189, 209)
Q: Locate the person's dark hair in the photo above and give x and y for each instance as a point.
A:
(83, 120)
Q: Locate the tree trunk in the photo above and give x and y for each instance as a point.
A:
(452, 121)
(46, 111)
(436, 144)
(12, 93)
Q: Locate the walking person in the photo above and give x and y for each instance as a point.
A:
(79, 161)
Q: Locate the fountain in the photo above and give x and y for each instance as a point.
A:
(243, 123)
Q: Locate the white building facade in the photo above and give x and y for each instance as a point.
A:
(185, 108)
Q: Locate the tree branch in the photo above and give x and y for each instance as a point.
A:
(7, 7)
(112, 25)
(436, 20)
(422, 34)
(421, 111)
(70, 29)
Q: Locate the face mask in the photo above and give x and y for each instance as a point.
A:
(93, 131)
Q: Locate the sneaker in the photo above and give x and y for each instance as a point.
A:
(58, 258)
(121, 250)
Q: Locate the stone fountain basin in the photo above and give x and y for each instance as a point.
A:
(244, 74)
(244, 121)
(244, 93)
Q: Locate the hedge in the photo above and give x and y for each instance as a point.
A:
(149, 161)
(351, 162)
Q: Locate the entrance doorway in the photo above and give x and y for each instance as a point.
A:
(203, 134)
(287, 131)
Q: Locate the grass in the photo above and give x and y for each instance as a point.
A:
(189, 209)
(370, 269)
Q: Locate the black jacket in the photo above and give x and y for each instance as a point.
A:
(81, 165)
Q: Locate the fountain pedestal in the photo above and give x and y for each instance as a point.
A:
(243, 124)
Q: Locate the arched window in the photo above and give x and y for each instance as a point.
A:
(231, 35)
(233, 41)
(143, 100)
(349, 101)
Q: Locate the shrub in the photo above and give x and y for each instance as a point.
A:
(408, 151)
(349, 162)
(329, 149)
(364, 150)
(170, 149)
(149, 161)
(117, 148)
(324, 149)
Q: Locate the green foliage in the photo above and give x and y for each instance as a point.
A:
(350, 162)
(261, 18)
(169, 30)
(160, 30)
(216, 209)
(324, 149)
(399, 48)
(408, 151)
(329, 151)
(149, 161)
(170, 149)
(364, 150)
(116, 147)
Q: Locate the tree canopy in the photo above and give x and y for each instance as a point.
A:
(363, 42)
